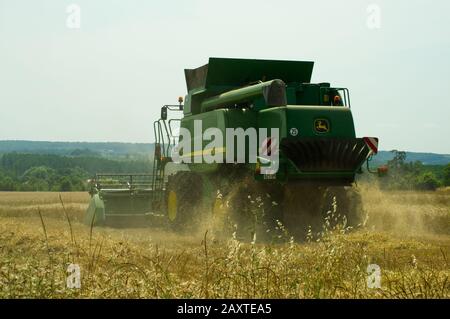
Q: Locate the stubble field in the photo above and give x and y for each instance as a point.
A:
(407, 234)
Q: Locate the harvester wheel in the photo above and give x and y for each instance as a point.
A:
(183, 199)
(302, 209)
(253, 210)
(348, 204)
(307, 208)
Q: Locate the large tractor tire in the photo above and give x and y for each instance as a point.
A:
(302, 211)
(348, 205)
(183, 201)
(253, 210)
(307, 207)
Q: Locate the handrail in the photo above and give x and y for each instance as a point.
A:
(164, 140)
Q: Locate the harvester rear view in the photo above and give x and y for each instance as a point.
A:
(258, 148)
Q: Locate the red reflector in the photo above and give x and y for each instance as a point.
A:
(372, 143)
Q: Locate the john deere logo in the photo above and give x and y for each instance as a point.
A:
(293, 131)
(321, 126)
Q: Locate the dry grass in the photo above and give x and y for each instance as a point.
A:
(24, 204)
(152, 263)
(407, 212)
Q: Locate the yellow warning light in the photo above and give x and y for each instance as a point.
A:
(258, 167)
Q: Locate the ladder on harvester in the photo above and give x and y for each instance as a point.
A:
(165, 140)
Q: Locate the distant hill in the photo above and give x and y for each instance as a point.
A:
(77, 148)
(426, 158)
(116, 149)
(18, 164)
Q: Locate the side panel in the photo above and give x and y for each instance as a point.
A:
(303, 119)
(213, 119)
(126, 202)
(299, 121)
(220, 119)
(274, 117)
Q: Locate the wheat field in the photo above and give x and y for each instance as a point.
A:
(407, 234)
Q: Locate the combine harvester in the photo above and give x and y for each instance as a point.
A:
(318, 155)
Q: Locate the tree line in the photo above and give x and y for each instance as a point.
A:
(49, 172)
(403, 175)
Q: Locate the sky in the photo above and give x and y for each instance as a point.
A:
(107, 79)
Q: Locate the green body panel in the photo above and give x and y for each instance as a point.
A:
(119, 196)
(285, 118)
(302, 117)
(225, 73)
(221, 119)
(117, 203)
(260, 92)
(222, 75)
(123, 202)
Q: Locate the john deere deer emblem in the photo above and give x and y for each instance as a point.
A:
(321, 126)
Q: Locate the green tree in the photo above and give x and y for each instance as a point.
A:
(427, 181)
(65, 184)
(398, 162)
(7, 183)
(38, 178)
(39, 173)
(447, 175)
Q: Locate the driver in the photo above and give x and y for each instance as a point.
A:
(337, 100)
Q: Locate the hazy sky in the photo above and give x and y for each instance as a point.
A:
(107, 80)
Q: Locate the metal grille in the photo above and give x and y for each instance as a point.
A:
(123, 181)
(326, 154)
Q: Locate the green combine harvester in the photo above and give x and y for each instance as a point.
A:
(318, 155)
